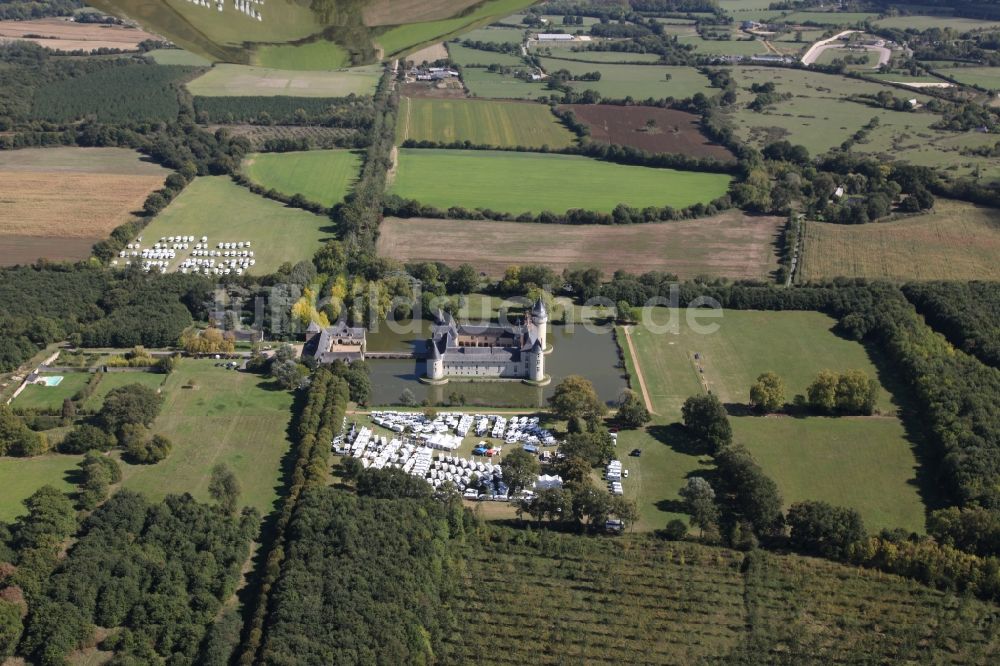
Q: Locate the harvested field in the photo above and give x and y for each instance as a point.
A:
(429, 53)
(675, 131)
(732, 245)
(958, 241)
(61, 34)
(57, 202)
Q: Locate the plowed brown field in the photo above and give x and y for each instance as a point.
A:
(673, 131)
(731, 245)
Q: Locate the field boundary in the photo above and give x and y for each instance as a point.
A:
(638, 370)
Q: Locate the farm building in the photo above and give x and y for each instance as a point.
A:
(339, 342)
(498, 351)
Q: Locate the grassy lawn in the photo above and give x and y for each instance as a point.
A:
(51, 397)
(987, 77)
(637, 81)
(495, 35)
(178, 57)
(465, 56)
(323, 176)
(846, 454)
(735, 46)
(829, 18)
(482, 83)
(225, 80)
(228, 417)
(518, 182)
(20, 477)
(319, 56)
(957, 241)
(278, 233)
(112, 380)
(862, 463)
(956, 23)
(601, 56)
(481, 122)
(400, 38)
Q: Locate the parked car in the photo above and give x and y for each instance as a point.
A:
(635, 453)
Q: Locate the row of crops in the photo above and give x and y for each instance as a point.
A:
(647, 601)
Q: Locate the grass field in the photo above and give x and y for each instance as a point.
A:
(519, 182)
(278, 233)
(986, 77)
(482, 83)
(113, 380)
(225, 80)
(958, 241)
(636, 81)
(495, 35)
(21, 477)
(956, 23)
(317, 56)
(845, 453)
(323, 176)
(52, 397)
(730, 244)
(739, 47)
(819, 118)
(829, 18)
(227, 417)
(481, 122)
(66, 199)
(602, 56)
(558, 600)
(401, 38)
(857, 462)
(178, 57)
(464, 56)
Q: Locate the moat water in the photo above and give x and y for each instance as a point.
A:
(590, 352)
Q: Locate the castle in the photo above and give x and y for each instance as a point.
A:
(339, 342)
(489, 351)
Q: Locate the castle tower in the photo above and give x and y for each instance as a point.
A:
(435, 363)
(540, 318)
(536, 362)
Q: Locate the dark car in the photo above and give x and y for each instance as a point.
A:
(635, 453)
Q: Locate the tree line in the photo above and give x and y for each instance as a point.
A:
(94, 308)
(323, 408)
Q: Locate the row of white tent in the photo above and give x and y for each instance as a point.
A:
(513, 430)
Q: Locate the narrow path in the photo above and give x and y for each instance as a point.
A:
(638, 370)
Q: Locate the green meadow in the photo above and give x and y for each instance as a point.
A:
(518, 182)
(867, 463)
(216, 207)
(214, 415)
(323, 176)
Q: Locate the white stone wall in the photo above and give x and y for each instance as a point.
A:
(512, 369)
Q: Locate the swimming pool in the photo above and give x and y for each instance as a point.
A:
(53, 380)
